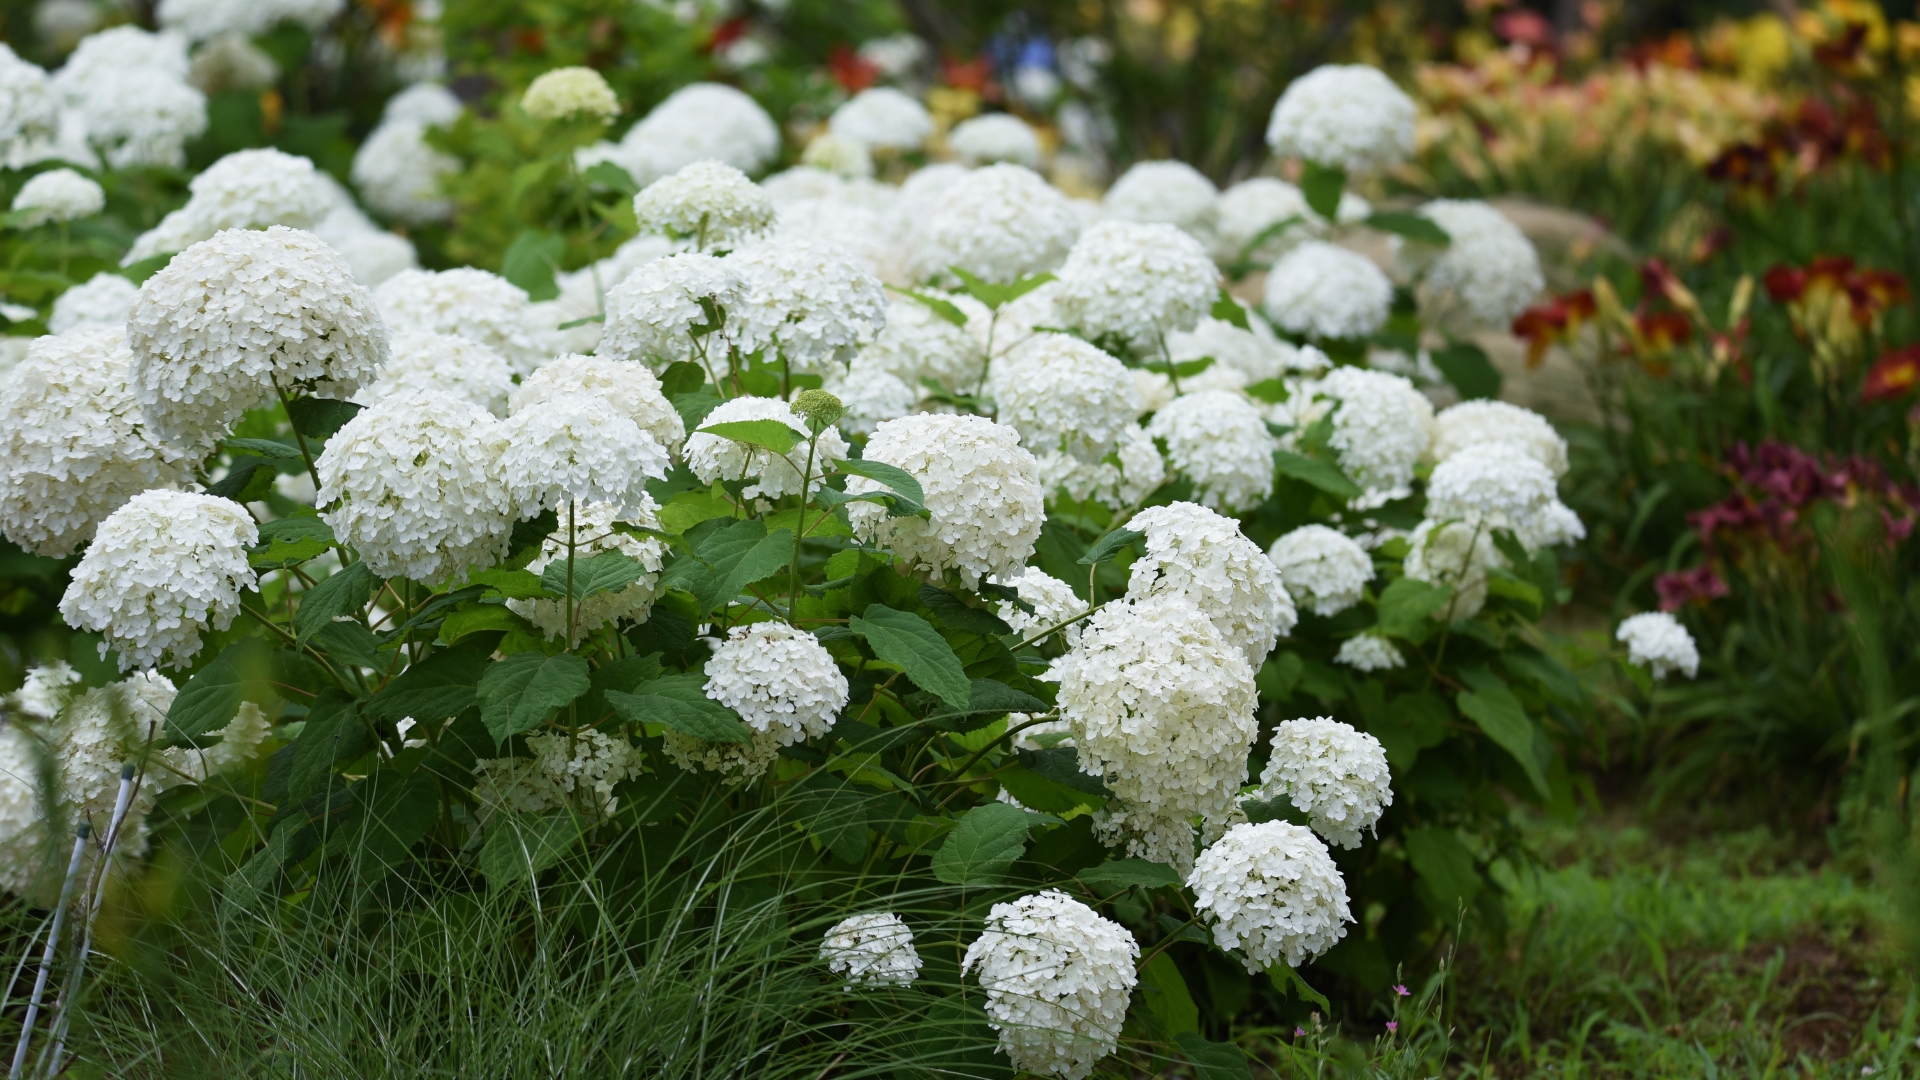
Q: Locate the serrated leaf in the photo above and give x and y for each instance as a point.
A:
(695, 406)
(531, 261)
(290, 541)
(244, 484)
(1412, 226)
(982, 846)
(266, 448)
(1271, 391)
(1164, 992)
(955, 613)
(681, 703)
(1288, 981)
(319, 418)
(519, 846)
(1407, 608)
(772, 435)
(1228, 310)
(334, 733)
(528, 537)
(442, 685)
(517, 692)
(211, 698)
(986, 698)
(349, 643)
(1061, 764)
(681, 377)
(1468, 369)
(512, 584)
(834, 812)
(621, 676)
(690, 508)
(344, 593)
(609, 571)
(900, 481)
(1110, 545)
(1036, 792)
(729, 559)
(1323, 186)
(910, 643)
(1498, 713)
(1324, 475)
(1127, 873)
(476, 618)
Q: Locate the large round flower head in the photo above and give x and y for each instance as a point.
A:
(74, 443)
(373, 254)
(1323, 568)
(1656, 640)
(995, 137)
(1381, 425)
(414, 484)
(102, 301)
(1220, 442)
(803, 183)
(400, 174)
(808, 302)
(1487, 274)
(1161, 705)
(1062, 394)
(713, 458)
(1335, 775)
(248, 189)
(57, 195)
(838, 155)
(710, 202)
(1136, 282)
(1121, 479)
(576, 447)
(780, 680)
(467, 303)
(872, 949)
(128, 89)
(1058, 979)
(423, 103)
(203, 19)
(1322, 291)
(232, 318)
(652, 314)
(1053, 602)
(884, 119)
(861, 230)
(1346, 115)
(1000, 224)
(1248, 221)
(631, 389)
(1457, 555)
(1369, 653)
(871, 396)
(982, 491)
(1499, 485)
(1471, 423)
(921, 343)
(1201, 555)
(1273, 892)
(567, 92)
(441, 362)
(1169, 192)
(29, 111)
(1254, 354)
(697, 122)
(594, 533)
(161, 569)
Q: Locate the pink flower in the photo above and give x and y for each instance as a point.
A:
(1393, 1026)
(1401, 989)
(1299, 1031)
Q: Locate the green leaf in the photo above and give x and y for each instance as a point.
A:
(1492, 706)
(946, 309)
(349, 643)
(1287, 980)
(319, 418)
(244, 484)
(1026, 285)
(440, 686)
(1271, 391)
(772, 435)
(1324, 475)
(210, 699)
(1468, 369)
(266, 448)
(609, 175)
(345, 593)
(476, 618)
(609, 571)
(1412, 226)
(1228, 310)
(690, 508)
(529, 536)
(834, 812)
(1111, 877)
(512, 584)
(986, 699)
(954, 612)
(290, 541)
(694, 407)
(1445, 867)
(531, 260)
(1407, 608)
(681, 377)
(1061, 764)
(1186, 369)
(727, 561)
(334, 734)
(1212, 1060)
(1036, 792)
(1323, 185)
(681, 703)
(1110, 545)
(1164, 992)
(618, 675)
(912, 644)
(982, 846)
(912, 500)
(519, 846)
(518, 692)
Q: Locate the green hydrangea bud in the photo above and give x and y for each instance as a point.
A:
(818, 408)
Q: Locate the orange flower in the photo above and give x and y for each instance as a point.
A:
(1555, 322)
(1895, 373)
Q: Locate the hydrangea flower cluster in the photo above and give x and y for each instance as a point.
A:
(1323, 568)
(1058, 978)
(1657, 641)
(58, 195)
(1332, 773)
(248, 189)
(873, 949)
(1135, 282)
(1348, 116)
(1272, 892)
(1202, 556)
(467, 303)
(982, 490)
(592, 529)
(710, 202)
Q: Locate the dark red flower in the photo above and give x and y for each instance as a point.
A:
(1897, 372)
(852, 71)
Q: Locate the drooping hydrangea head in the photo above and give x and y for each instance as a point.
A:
(1369, 653)
(1321, 291)
(807, 302)
(102, 300)
(1053, 602)
(1345, 115)
(467, 303)
(1486, 275)
(780, 680)
(1272, 892)
(57, 195)
(1455, 554)
(695, 123)
(1334, 774)
(1169, 192)
(995, 137)
(1058, 979)
(1249, 216)
(567, 92)
(982, 490)
(1381, 425)
(1323, 568)
(1219, 440)
(999, 223)
(709, 202)
(1203, 556)
(871, 949)
(1657, 641)
(1136, 282)
(594, 533)
(1123, 478)
(577, 448)
(400, 174)
(247, 189)
(415, 485)
(74, 444)
(651, 315)
(164, 568)
(232, 318)
(446, 364)
(884, 119)
(1473, 422)
(713, 457)
(1062, 394)
(920, 343)
(1500, 485)
(631, 389)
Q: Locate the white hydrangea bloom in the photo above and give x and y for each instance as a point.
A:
(441, 362)
(1382, 425)
(803, 183)
(1058, 979)
(1473, 422)
(1220, 442)
(467, 303)
(203, 19)
(1500, 485)
(737, 763)
(709, 201)
(695, 123)
(1657, 641)
(58, 195)
(1201, 555)
(514, 785)
(631, 389)
(1369, 653)
(593, 534)
(577, 447)
(570, 91)
(232, 318)
(423, 103)
(1124, 478)
(400, 174)
(1457, 555)
(871, 395)
(1487, 275)
(248, 189)
(995, 137)
(861, 230)
(808, 302)
(1334, 774)
(920, 343)
(1254, 353)
(1169, 192)
(587, 764)
(74, 441)
(1247, 212)
(1062, 394)
(780, 680)
(1346, 115)
(128, 89)
(838, 155)
(161, 569)
(582, 301)
(1324, 291)
(45, 690)
(712, 457)
(1273, 892)
(1053, 603)
(884, 119)
(29, 110)
(1161, 705)
(1323, 568)
(871, 949)
(373, 254)
(415, 485)
(982, 490)
(1137, 282)
(651, 314)
(1000, 223)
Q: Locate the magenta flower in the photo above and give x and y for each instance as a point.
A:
(1299, 1031)
(1393, 1026)
(1401, 989)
